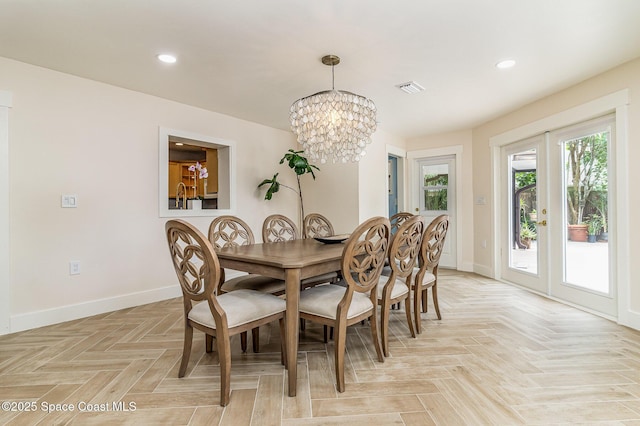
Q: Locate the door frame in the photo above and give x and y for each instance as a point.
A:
(456, 152)
(615, 102)
(5, 291)
(401, 167)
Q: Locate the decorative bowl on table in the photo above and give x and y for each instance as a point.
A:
(333, 239)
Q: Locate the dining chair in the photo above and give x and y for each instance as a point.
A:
(402, 256)
(277, 227)
(219, 316)
(353, 299)
(426, 275)
(397, 219)
(316, 225)
(231, 231)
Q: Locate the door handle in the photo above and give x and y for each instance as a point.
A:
(543, 222)
(417, 209)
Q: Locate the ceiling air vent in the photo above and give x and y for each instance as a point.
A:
(410, 87)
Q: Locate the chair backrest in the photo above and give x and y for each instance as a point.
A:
(316, 225)
(405, 248)
(278, 228)
(433, 243)
(363, 256)
(196, 265)
(398, 219)
(229, 231)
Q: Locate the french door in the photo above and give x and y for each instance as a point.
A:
(556, 204)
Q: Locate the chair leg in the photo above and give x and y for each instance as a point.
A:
(224, 353)
(330, 333)
(407, 308)
(243, 341)
(425, 299)
(384, 327)
(416, 309)
(186, 349)
(340, 344)
(283, 344)
(255, 336)
(208, 343)
(373, 320)
(434, 294)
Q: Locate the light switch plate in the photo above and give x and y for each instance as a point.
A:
(74, 267)
(69, 201)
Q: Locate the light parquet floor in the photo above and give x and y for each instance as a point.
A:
(500, 356)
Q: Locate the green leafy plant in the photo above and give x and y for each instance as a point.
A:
(526, 233)
(595, 224)
(300, 165)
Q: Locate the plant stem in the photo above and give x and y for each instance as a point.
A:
(301, 203)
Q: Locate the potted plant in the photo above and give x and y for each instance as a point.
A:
(594, 226)
(527, 235)
(300, 165)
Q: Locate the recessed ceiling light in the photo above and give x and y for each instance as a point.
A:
(168, 59)
(507, 63)
(179, 144)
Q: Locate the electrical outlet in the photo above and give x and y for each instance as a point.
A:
(74, 267)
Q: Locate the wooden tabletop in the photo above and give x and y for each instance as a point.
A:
(285, 255)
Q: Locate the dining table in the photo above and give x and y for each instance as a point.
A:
(291, 261)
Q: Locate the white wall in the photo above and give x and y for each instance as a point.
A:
(74, 136)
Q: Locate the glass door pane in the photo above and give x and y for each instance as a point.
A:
(586, 197)
(524, 212)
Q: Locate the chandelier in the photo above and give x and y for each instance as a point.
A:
(333, 124)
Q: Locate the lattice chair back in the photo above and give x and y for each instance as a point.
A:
(278, 228)
(230, 231)
(196, 265)
(364, 254)
(433, 242)
(316, 225)
(405, 248)
(397, 219)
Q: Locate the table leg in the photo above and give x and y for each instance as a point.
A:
(292, 289)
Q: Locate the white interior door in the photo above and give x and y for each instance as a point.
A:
(436, 177)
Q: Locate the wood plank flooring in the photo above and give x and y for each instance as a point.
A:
(500, 356)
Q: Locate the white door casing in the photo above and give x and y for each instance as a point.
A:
(5, 306)
(454, 234)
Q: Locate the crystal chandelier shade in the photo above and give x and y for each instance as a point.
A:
(333, 124)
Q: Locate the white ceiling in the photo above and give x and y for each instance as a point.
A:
(252, 58)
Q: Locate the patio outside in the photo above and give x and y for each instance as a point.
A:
(586, 265)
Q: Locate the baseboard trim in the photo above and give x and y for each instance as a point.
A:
(630, 319)
(483, 270)
(60, 314)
